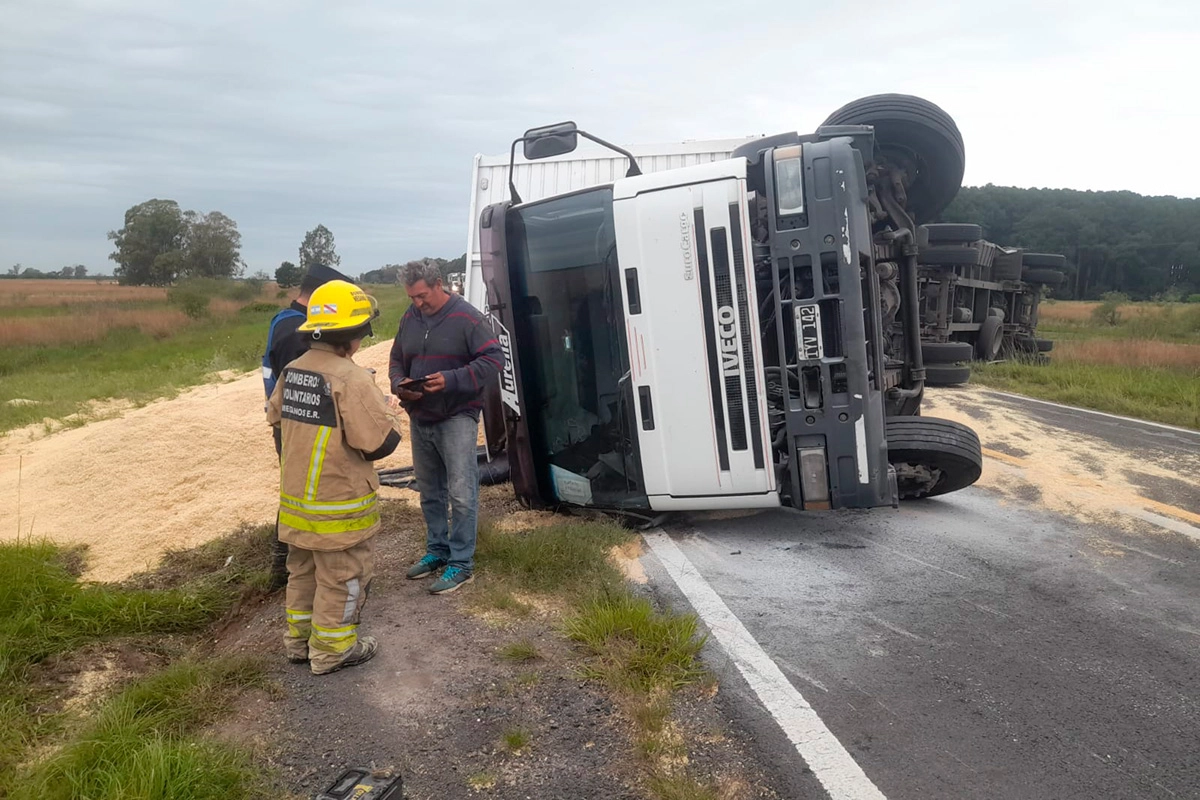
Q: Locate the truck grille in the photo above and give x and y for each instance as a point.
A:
(730, 349)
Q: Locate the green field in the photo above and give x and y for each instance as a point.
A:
(1136, 359)
(72, 356)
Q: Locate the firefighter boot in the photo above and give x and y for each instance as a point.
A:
(364, 650)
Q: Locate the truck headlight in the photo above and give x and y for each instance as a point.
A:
(789, 181)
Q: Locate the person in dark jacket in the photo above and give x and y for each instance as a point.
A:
(284, 345)
(445, 341)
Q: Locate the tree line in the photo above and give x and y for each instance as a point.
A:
(70, 272)
(1144, 247)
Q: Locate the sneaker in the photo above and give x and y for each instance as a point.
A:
(428, 565)
(364, 650)
(451, 579)
(297, 659)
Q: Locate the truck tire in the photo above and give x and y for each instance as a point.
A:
(947, 374)
(991, 337)
(953, 232)
(915, 126)
(951, 256)
(1049, 277)
(1007, 268)
(932, 456)
(945, 352)
(1052, 260)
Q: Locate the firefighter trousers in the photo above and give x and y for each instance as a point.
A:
(326, 592)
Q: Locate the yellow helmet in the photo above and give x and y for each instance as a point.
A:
(339, 306)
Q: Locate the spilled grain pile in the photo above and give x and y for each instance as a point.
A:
(174, 473)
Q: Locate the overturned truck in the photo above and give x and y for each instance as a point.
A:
(736, 327)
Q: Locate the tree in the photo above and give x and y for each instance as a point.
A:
(318, 248)
(15, 270)
(152, 230)
(30, 272)
(212, 246)
(80, 271)
(288, 275)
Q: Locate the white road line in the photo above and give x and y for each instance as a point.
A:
(833, 766)
(1096, 413)
(1163, 521)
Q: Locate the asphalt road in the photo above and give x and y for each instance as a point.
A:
(973, 646)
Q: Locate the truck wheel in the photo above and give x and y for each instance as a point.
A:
(1049, 277)
(1052, 260)
(1043, 345)
(945, 352)
(932, 456)
(913, 126)
(951, 256)
(947, 374)
(953, 232)
(991, 337)
(1007, 267)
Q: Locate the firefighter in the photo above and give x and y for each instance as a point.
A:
(284, 345)
(333, 422)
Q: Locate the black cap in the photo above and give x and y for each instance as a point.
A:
(319, 275)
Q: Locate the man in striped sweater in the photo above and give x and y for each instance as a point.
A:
(447, 351)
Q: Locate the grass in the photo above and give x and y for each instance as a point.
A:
(637, 648)
(516, 740)
(565, 557)
(45, 611)
(520, 652)
(482, 780)
(1153, 393)
(643, 655)
(1146, 365)
(137, 353)
(1179, 322)
(142, 743)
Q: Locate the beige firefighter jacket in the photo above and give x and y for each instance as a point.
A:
(330, 414)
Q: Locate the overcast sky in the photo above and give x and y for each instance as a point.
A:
(365, 116)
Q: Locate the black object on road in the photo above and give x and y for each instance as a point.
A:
(364, 784)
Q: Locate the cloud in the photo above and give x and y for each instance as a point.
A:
(365, 116)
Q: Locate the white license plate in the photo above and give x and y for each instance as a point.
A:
(808, 333)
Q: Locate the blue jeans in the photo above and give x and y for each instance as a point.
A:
(446, 468)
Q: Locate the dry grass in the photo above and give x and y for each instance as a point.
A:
(90, 326)
(1129, 353)
(1080, 312)
(65, 293)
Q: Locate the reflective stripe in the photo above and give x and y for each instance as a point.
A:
(329, 525)
(316, 462)
(335, 640)
(299, 616)
(338, 507)
(352, 591)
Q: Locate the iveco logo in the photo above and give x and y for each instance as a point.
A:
(727, 330)
(685, 244)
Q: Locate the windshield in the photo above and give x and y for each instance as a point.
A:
(562, 258)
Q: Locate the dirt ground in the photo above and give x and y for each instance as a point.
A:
(437, 701)
(172, 474)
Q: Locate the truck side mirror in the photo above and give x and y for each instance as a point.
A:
(550, 140)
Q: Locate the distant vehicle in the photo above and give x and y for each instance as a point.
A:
(457, 282)
(736, 324)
